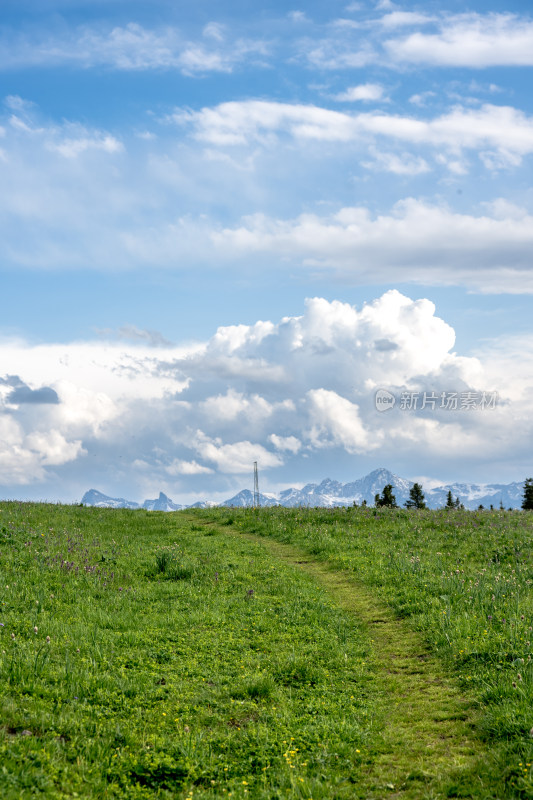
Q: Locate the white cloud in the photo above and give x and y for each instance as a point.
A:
(365, 92)
(71, 148)
(17, 103)
(180, 419)
(469, 40)
(430, 244)
(132, 47)
(105, 204)
(335, 421)
(400, 19)
(504, 128)
(403, 164)
(237, 457)
(178, 467)
(422, 98)
(69, 139)
(232, 404)
(298, 16)
(397, 38)
(52, 448)
(290, 443)
(214, 30)
(24, 457)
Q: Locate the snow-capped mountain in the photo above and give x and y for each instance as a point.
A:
(331, 493)
(473, 495)
(96, 498)
(163, 503)
(245, 499)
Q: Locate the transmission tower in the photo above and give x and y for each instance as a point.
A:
(257, 502)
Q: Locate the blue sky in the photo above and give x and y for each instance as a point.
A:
(225, 226)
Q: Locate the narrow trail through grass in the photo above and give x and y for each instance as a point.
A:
(428, 734)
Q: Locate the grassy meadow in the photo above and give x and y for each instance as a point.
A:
(209, 654)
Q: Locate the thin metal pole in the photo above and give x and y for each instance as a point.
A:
(257, 502)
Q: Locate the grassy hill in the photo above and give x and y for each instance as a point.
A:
(280, 653)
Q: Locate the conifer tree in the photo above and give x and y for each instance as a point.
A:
(527, 500)
(416, 497)
(387, 498)
(449, 500)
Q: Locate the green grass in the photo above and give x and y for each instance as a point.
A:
(180, 662)
(191, 655)
(463, 580)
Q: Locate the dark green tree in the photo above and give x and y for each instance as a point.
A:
(416, 497)
(527, 500)
(449, 500)
(387, 498)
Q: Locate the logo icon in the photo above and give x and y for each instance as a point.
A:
(384, 400)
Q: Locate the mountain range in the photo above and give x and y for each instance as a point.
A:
(330, 493)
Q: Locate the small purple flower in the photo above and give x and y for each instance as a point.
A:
(120, 588)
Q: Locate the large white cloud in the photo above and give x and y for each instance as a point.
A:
(502, 128)
(191, 420)
(418, 242)
(82, 197)
(399, 38)
(470, 39)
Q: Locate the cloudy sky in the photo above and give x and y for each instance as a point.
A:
(227, 225)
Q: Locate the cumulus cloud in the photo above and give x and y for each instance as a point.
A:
(25, 455)
(236, 457)
(335, 421)
(300, 388)
(290, 443)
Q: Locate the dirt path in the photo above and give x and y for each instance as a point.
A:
(428, 738)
